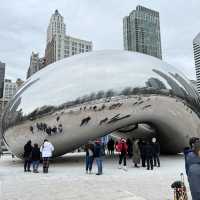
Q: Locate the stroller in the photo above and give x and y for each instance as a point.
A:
(180, 192)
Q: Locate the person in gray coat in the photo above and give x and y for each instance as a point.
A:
(135, 153)
(193, 161)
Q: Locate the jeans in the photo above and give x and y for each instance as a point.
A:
(89, 162)
(122, 157)
(35, 165)
(99, 165)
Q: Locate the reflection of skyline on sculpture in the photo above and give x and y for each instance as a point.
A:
(105, 91)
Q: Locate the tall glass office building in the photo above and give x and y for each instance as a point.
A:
(196, 47)
(2, 76)
(141, 30)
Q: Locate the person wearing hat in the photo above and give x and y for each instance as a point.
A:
(122, 149)
(193, 161)
(97, 156)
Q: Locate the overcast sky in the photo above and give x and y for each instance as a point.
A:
(23, 25)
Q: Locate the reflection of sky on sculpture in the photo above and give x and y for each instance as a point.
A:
(83, 74)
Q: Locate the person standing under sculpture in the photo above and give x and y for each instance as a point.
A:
(35, 158)
(193, 160)
(97, 156)
(142, 152)
(130, 149)
(46, 149)
(27, 156)
(89, 157)
(136, 153)
(111, 146)
(149, 155)
(122, 148)
(156, 152)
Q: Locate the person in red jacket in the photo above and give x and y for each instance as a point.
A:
(122, 147)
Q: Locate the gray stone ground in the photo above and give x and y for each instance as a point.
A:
(67, 180)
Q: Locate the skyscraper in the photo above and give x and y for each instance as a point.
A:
(36, 63)
(2, 75)
(141, 31)
(196, 47)
(59, 45)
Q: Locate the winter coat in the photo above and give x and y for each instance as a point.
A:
(111, 145)
(149, 151)
(97, 150)
(194, 175)
(89, 150)
(136, 152)
(187, 152)
(46, 149)
(122, 148)
(156, 148)
(27, 150)
(35, 155)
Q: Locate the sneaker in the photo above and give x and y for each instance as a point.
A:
(119, 167)
(125, 168)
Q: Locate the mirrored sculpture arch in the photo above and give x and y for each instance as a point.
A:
(90, 95)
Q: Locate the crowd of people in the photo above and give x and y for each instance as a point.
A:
(138, 150)
(33, 155)
(142, 153)
(45, 128)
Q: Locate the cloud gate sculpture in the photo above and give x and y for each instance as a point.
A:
(91, 95)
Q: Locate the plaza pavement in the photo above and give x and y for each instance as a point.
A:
(67, 180)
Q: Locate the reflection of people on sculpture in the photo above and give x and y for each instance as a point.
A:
(103, 121)
(48, 130)
(60, 128)
(54, 130)
(94, 108)
(115, 105)
(85, 121)
(57, 118)
(31, 129)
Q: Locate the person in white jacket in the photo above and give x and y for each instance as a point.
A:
(46, 149)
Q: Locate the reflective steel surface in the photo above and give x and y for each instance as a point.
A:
(90, 95)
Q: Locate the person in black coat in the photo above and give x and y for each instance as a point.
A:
(156, 152)
(142, 152)
(111, 146)
(27, 156)
(149, 155)
(35, 158)
(193, 161)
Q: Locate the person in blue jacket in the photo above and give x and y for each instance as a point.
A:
(193, 164)
(98, 156)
